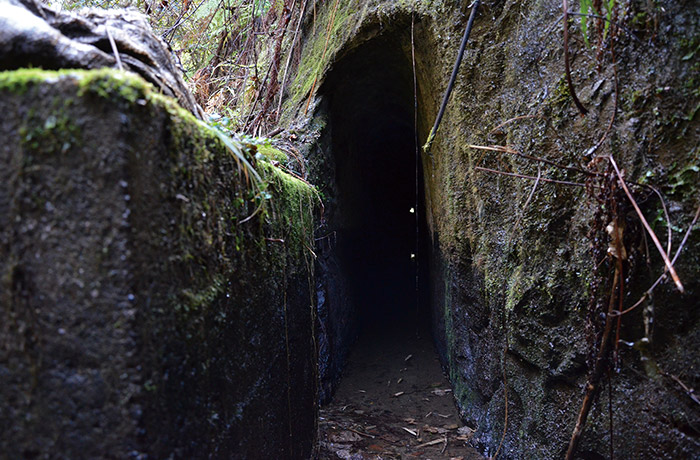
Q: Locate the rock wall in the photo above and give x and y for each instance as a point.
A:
(143, 311)
(520, 276)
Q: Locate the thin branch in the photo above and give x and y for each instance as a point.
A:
(667, 261)
(289, 58)
(567, 67)
(505, 149)
(614, 114)
(522, 176)
(648, 292)
(521, 117)
(689, 391)
(453, 77)
(592, 385)
(527, 202)
(114, 49)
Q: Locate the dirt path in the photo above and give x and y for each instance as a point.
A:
(394, 403)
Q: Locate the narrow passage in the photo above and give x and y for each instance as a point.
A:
(393, 402)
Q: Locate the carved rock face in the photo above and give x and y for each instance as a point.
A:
(32, 34)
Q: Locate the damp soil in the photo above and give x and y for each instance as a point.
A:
(393, 402)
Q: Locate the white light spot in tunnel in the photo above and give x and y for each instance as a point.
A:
(412, 210)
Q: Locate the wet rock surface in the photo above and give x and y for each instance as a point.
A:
(518, 284)
(138, 317)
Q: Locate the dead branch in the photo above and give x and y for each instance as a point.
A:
(429, 443)
(506, 149)
(689, 391)
(567, 67)
(667, 261)
(614, 114)
(521, 117)
(592, 385)
(527, 202)
(361, 433)
(289, 58)
(522, 176)
(648, 292)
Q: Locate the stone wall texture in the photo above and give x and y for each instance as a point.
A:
(140, 317)
(520, 276)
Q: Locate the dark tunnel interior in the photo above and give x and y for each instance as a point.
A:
(371, 100)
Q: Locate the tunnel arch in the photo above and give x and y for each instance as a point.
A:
(370, 97)
(374, 274)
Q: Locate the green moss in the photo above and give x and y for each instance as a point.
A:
(292, 201)
(682, 183)
(193, 301)
(326, 39)
(272, 153)
(515, 288)
(50, 132)
(114, 84)
(560, 96)
(21, 80)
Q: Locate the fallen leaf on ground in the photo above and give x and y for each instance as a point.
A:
(434, 429)
(451, 426)
(344, 436)
(430, 443)
(465, 430)
(465, 433)
(440, 392)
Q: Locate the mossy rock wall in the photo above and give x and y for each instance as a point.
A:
(140, 316)
(512, 277)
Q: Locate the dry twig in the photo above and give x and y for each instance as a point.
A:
(527, 202)
(689, 391)
(592, 385)
(522, 176)
(506, 149)
(521, 117)
(648, 292)
(667, 261)
(567, 66)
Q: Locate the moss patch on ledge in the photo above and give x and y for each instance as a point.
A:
(213, 266)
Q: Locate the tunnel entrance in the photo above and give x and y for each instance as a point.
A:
(376, 274)
(371, 99)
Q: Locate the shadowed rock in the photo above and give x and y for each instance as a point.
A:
(34, 35)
